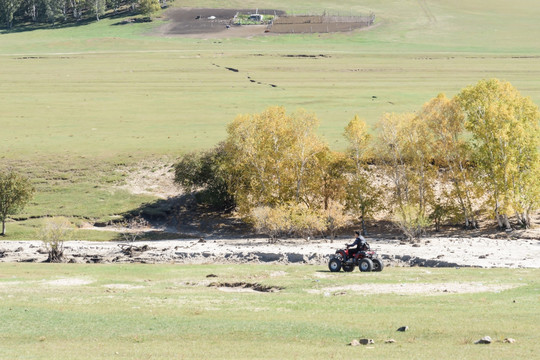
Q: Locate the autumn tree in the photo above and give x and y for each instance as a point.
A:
(273, 155)
(332, 178)
(505, 140)
(446, 122)
(15, 192)
(404, 148)
(363, 196)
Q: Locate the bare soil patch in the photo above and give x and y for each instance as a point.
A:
(123, 286)
(213, 23)
(154, 178)
(218, 23)
(417, 288)
(245, 287)
(69, 282)
(319, 24)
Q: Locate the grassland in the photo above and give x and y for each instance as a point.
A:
(79, 102)
(166, 312)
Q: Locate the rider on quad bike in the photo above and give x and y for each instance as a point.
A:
(360, 243)
(362, 256)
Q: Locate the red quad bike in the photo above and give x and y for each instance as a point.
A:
(365, 260)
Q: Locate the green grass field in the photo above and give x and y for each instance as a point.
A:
(78, 102)
(169, 312)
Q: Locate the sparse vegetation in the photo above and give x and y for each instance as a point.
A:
(247, 19)
(54, 232)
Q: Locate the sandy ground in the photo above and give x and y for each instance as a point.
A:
(430, 252)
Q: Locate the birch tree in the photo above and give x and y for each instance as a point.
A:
(451, 151)
(505, 140)
(363, 195)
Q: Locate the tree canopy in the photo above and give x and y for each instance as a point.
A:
(423, 168)
(15, 192)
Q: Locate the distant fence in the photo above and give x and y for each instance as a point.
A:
(319, 23)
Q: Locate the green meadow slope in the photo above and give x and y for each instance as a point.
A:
(78, 102)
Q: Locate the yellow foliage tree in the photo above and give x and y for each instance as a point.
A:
(273, 156)
(404, 147)
(446, 122)
(505, 136)
(363, 195)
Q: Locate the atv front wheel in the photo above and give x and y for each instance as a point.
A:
(365, 265)
(377, 265)
(334, 265)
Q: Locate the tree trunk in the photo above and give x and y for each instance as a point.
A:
(504, 222)
(364, 232)
(3, 227)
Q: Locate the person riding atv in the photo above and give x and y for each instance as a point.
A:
(360, 243)
(361, 256)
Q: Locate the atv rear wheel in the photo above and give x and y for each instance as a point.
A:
(348, 267)
(377, 265)
(334, 265)
(365, 265)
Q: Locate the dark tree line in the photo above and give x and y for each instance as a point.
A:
(15, 12)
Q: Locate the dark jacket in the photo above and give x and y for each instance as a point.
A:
(359, 242)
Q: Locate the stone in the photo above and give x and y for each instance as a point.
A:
(509, 340)
(403, 328)
(366, 341)
(484, 340)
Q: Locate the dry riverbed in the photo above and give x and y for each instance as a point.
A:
(430, 252)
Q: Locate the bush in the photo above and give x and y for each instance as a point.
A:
(306, 222)
(53, 234)
(288, 219)
(131, 229)
(203, 173)
(411, 221)
(336, 218)
(272, 221)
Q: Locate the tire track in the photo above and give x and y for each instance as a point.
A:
(427, 11)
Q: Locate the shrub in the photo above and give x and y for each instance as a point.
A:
(272, 221)
(131, 229)
(411, 221)
(336, 218)
(204, 174)
(306, 222)
(53, 234)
